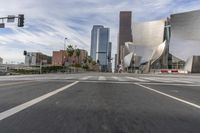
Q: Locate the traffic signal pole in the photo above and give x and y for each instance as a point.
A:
(11, 19)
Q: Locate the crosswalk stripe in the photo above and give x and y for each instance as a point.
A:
(166, 80)
(137, 79)
(117, 78)
(70, 78)
(101, 78)
(180, 81)
(156, 79)
(85, 78)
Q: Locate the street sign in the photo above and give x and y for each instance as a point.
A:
(2, 25)
(11, 19)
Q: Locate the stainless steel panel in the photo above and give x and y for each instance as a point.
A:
(185, 32)
(148, 34)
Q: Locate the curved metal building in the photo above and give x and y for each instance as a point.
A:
(149, 34)
(185, 34)
(150, 42)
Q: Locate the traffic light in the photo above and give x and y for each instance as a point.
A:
(21, 20)
(25, 53)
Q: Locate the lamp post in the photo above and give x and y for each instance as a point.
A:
(63, 56)
(65, 40)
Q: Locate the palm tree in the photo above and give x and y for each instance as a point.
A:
(70, 51)
(78, 52)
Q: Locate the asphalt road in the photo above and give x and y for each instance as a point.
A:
(100, 103)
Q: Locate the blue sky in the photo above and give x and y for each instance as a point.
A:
(48, 22)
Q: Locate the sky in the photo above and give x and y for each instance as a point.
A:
(48, 22)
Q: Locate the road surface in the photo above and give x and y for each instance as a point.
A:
(100, 103)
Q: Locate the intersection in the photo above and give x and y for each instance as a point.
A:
(99, 102)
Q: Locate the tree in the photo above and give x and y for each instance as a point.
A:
(89, 59)
(78, 52)
(94, 63)
(70, 51)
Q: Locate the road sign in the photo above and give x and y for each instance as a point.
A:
(11, 19)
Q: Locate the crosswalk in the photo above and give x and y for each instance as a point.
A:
(101, 78)
(136, 79)
(110, 78)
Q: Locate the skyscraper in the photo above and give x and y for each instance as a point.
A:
(102, 47)
(125, 32)
(94, 41)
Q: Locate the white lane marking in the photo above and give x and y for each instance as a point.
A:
(101, 78)
(155, 79)
(69, 78)
(117, 78)
(137, 79)
(166, 80)
(175, 80)
(167, 84)
(85, 78)
(170, 96)
(181, 81)
(28, 104)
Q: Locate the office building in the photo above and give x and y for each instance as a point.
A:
(59, 58)
(94, 41)
(37, 58)
(102, 47)
(125, 32)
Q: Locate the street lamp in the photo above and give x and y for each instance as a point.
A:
(65, 40)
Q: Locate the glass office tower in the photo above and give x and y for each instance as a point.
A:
(94, 41)
(102, 47)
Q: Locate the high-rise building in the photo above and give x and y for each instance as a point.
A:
(102, 47)
(94, 41)
(1, 60)
(125, 32)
